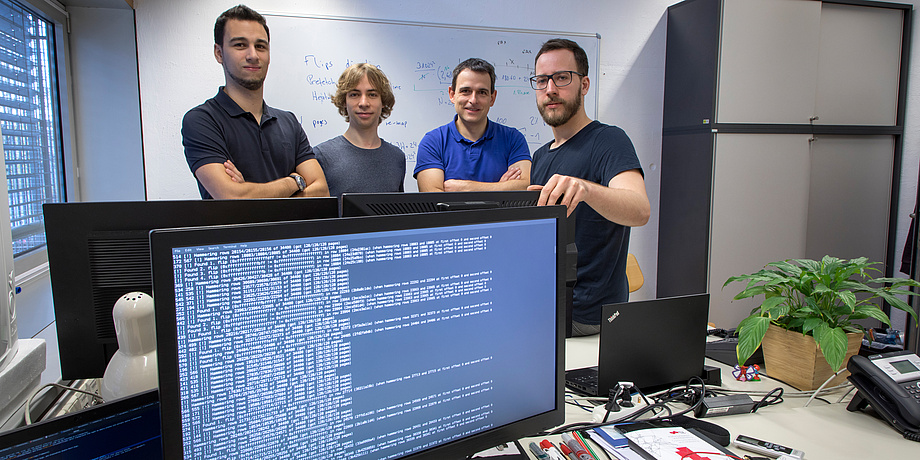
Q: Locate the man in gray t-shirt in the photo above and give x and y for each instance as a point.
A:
(359, 160)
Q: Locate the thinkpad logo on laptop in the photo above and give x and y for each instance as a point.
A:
(613, 316)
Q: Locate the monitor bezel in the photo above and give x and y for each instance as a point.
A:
(372, 204)
(164, 240)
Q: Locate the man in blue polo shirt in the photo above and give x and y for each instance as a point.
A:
(235, 144)
(471, 152)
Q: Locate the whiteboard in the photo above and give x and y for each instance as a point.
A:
(308, 53)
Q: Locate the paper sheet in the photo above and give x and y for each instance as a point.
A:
(674, 443)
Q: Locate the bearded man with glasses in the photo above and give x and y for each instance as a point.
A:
(593, 170)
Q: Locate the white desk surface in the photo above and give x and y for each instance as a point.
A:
(821, 430)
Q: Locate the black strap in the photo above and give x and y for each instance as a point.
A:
(720, 435)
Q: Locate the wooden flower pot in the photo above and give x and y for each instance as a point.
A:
(797, 360)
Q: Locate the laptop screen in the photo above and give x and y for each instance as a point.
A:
(128, 428)
(653, 343)
(378, 337)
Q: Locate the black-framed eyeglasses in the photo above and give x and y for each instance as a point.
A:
(560, 78)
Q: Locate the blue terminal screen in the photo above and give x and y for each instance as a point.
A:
(369, 345)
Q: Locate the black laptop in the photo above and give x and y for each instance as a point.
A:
(651, 343)
(127, 428)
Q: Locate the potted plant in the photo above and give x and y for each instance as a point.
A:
(808, 299)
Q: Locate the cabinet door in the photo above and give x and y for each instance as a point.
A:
(858, 65)
(768, 62)
(759, 212)
(849, 197)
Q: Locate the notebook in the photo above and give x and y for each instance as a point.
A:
(127, 428)
(651, 343)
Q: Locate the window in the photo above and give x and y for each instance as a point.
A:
(29, 119)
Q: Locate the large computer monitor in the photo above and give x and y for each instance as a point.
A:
(373, 337)
(99, 251)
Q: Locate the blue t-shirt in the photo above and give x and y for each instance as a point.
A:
(596, 153)
(483, 161)
(220, 130)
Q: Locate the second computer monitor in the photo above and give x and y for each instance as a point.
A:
(99, 251)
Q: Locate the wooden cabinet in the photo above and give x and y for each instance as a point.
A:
(781, 139)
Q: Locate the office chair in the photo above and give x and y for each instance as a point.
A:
(633, 273)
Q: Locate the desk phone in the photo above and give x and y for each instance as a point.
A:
(890, 383)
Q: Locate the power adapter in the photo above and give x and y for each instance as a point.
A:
(724, 405)
(712, 376)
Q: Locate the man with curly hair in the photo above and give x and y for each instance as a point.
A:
(359, 161)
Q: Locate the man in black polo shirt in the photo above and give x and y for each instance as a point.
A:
(235, 144)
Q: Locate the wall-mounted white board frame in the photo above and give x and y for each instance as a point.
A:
(309, 52)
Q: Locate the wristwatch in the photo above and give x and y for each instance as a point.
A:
(301, 184)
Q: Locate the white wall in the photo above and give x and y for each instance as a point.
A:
(107, 128)
(178, 71)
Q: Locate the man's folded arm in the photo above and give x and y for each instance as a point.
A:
(218, 182)
(516, 178)
(430, 180)
(312, 173)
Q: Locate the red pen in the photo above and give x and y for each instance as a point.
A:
(551, 450)
(566, 451)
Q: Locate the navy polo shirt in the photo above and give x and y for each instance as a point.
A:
(484, 160)
(219, 130)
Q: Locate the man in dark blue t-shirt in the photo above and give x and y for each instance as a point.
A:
(593, 170)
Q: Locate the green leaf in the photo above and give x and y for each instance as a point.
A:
(833, 343)
(787, 268)
(848, 298)
(813, 304)
(809, 265)
(810, 324)
(852, 285)
(750, 333)
(871, 311)
(770, 303)
(750, 292)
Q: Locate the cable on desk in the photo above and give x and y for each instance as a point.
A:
(787, 394)
(769, 399)
(845, 394)
(635, 415)
(28, 414)
(823, 385)
(571, 399)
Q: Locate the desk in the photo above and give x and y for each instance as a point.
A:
(821, 430)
